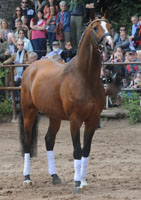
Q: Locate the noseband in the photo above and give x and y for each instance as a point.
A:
(98, 41)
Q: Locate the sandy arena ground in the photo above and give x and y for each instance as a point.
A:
(114, 171)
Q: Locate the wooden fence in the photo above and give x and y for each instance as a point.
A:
(13, 88)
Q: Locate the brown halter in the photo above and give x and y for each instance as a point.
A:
(95, 39)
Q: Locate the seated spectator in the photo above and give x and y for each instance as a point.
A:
(137, 38)
(24, 20)
(115, 36)
(136, 82)
(131, 69)
(123, 41)
(63, 23)
(4, 27)
(117, 57)
(8, 47)
(2, 39)
(139, 60)
(68, 53)
(56, 53)
(18, 25)
(27, 42)
(17, 15)
(38, 34)
(51, 25)
(21, 56)
(135, 25)
(32, 57)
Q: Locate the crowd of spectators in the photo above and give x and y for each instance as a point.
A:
(46, 28)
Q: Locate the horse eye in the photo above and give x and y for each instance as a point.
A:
(95, 28)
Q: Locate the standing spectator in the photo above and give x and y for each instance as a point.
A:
(27, 42)
(38, 35)
(51, 25)
(24, 20)
(27, 11)
(77, 10)
(63, 22)
(47, 6)
(93, 7)
(131, 69)
(4, 27)
(17, 15)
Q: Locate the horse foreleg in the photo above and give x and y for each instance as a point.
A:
(77, 153)
(28, 138)
(88, 135)
(50, 141)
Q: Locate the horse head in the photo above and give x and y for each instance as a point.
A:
(100, 32)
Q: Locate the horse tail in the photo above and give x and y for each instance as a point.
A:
(34, 139)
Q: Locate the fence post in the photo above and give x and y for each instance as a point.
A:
(13, 94)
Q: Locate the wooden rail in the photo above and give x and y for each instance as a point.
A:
(13, 88)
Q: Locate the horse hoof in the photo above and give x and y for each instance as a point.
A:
(56, 180)
(83, 183)
(27, 181)
(77, 187)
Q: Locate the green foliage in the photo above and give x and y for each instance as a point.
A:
(132, 104)
(3, 74)
(5, 107)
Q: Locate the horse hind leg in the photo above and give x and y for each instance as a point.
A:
(28, 138)
(50, 141)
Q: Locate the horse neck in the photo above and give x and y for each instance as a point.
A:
(89, 61)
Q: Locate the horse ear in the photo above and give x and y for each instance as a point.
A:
(105, 14)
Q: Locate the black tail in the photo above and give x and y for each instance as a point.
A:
(33, 146)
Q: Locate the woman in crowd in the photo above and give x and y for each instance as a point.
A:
(47, 6)
(17, 15)
(51, 25)
(24, 20)
(4, 27)
(63, 23)
(38, 34)
(27, 42)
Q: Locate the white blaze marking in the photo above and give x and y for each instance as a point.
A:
(109, 38)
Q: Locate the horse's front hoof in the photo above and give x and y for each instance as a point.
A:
(83, 183)
(27, 181)
(77, 188)
(56, 180)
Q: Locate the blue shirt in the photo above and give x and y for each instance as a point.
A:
(134, 27)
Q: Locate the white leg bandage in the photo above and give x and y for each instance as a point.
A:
(51, 163)
(77, 170)
(26, 164)
(84, 165)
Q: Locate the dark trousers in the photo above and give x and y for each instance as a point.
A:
(51, 38)
(39, 46)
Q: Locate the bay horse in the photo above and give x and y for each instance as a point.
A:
(71, 91)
